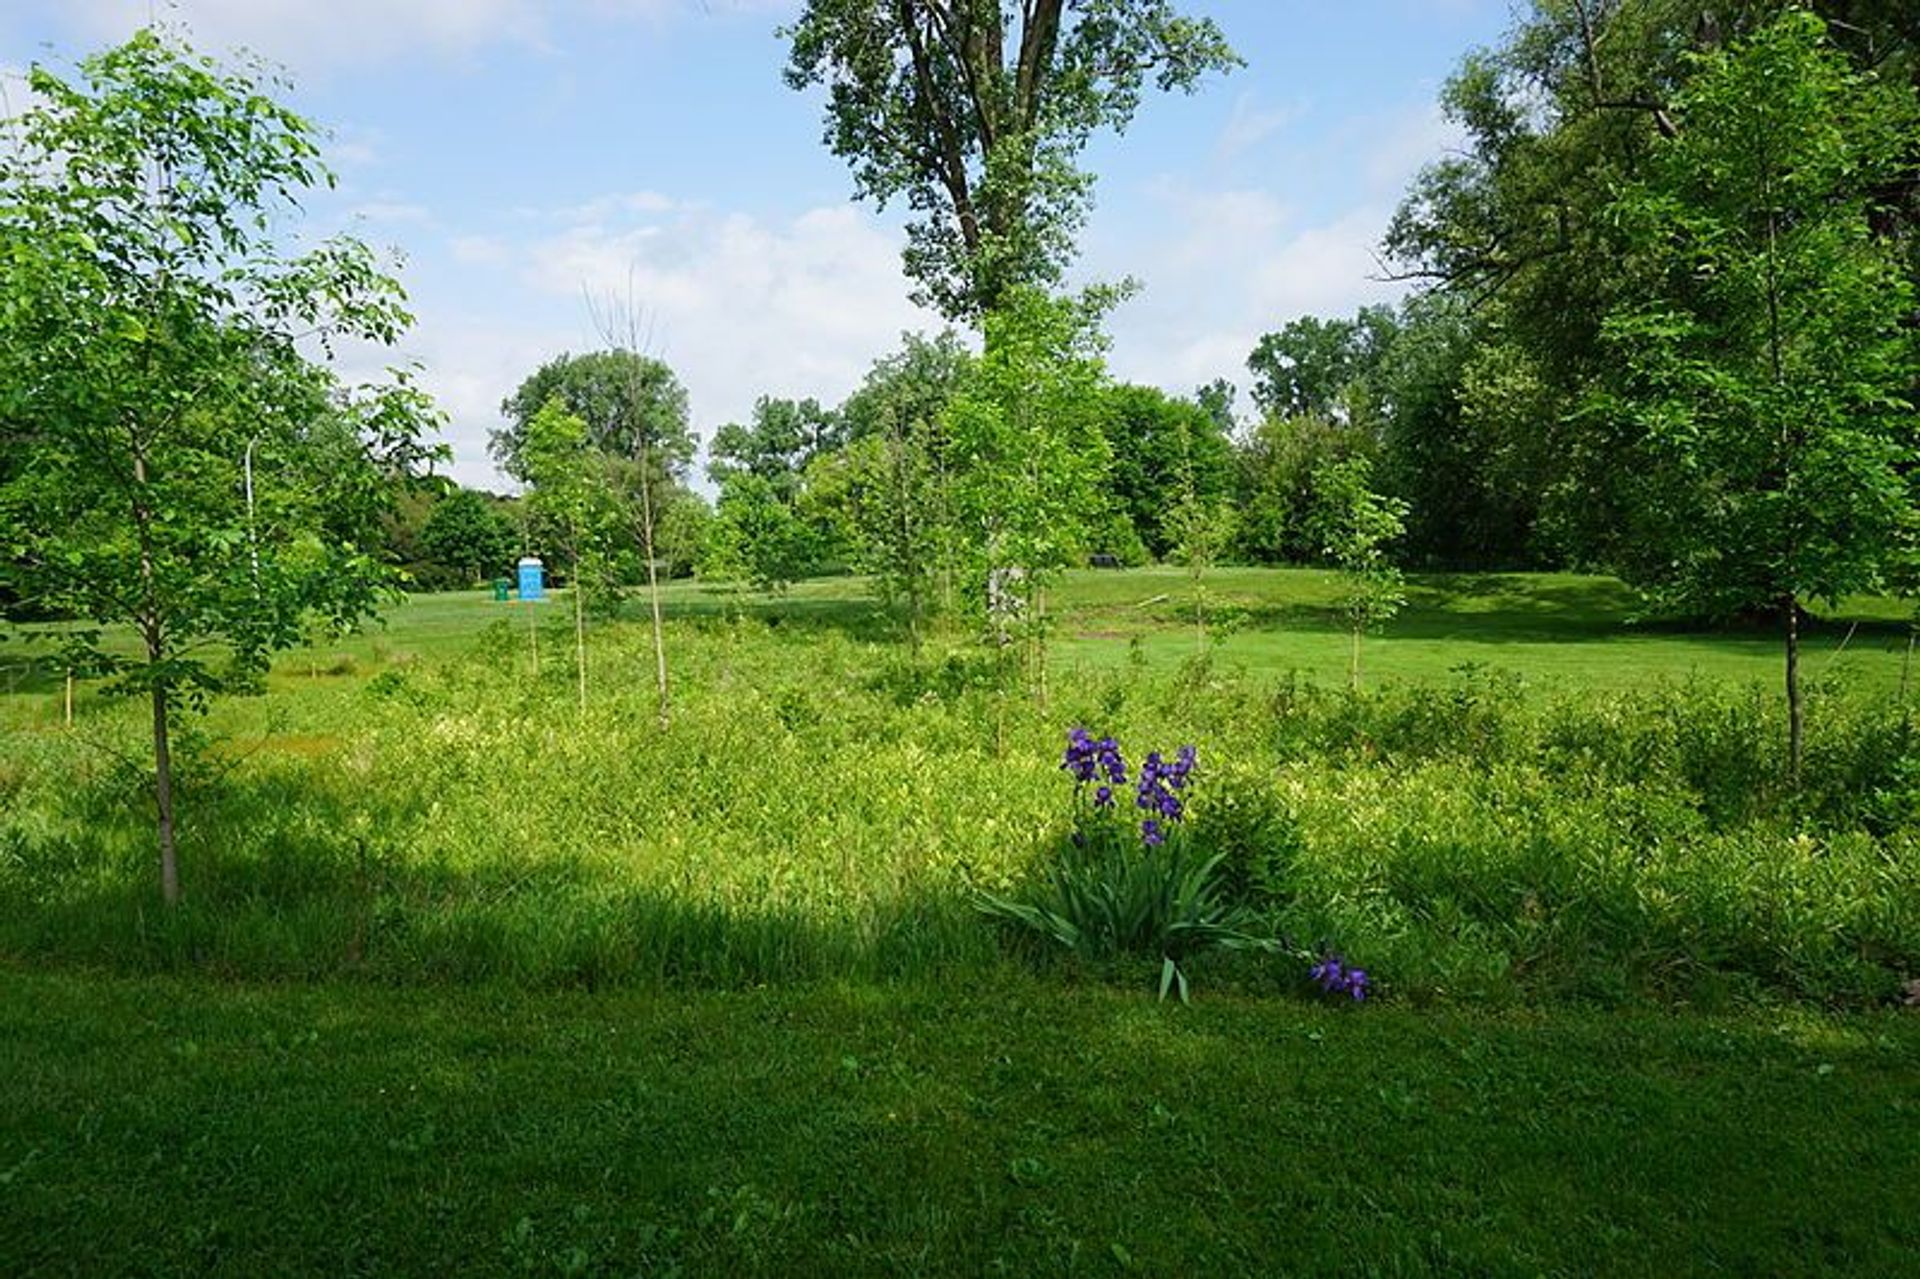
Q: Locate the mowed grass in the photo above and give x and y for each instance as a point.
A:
(1552, 629)
(159, 1126)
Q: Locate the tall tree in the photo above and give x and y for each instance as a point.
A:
(777, 443)
(151, 365)
(1760, 396)
(1276, 484)
(1165, 450)
(631, 404)
(1320, 367)
(1515, 222)
(467, 534)
(975, 112)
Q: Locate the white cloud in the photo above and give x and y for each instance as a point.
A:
(1235, 263)
(1249, 125)
(1240, 268)
(309, 36)
(1410, 140)
(479, 250)
(740, 306)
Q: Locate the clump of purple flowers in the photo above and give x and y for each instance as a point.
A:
(1337, 978)
(1159, 782)
(1089, 758)
(1097, 761)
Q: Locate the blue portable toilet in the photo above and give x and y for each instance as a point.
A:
(532, 581)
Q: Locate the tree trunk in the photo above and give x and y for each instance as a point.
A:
(1353, 665)
(1906, 677)
(653, 583)
(580, 636)
(1796, 709)
(1199, 613)
(163, 798)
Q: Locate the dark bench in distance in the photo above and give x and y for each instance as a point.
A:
(1103, 561)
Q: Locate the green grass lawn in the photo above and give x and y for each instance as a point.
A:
(176, 1127)
(1554, 630)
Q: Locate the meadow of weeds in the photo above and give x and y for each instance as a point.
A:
(827, 806)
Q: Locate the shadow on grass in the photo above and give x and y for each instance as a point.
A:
(767, 1132)
(286, 879)
(851, 614)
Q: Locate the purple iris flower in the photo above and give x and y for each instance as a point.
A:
(1336, 978)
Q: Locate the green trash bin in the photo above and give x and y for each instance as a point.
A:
(502, 590)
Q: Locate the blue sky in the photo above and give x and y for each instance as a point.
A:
(522, 155)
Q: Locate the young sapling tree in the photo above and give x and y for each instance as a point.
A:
(178, 463)
(1355, 526)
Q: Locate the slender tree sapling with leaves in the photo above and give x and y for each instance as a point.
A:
(572, 497)
(153, 351)
(1201, 530)
(899, 486)
(1030, 457)
(1355, 526)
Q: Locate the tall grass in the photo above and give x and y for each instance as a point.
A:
(822, 807)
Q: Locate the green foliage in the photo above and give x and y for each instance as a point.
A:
(1759, 397)
(781, 441)
(1029, 455)
(467, 534)
(756, 536)
(682, 525)
(1117, 898)
(1164, 450)
(1321, 368)
(633, 406)
(898, 504)
(1274, 488)
(570, 494)
(1566, 112)
(975, 115)
(825, 809)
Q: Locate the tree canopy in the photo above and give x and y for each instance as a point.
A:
(974, 112)
(632, 405)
